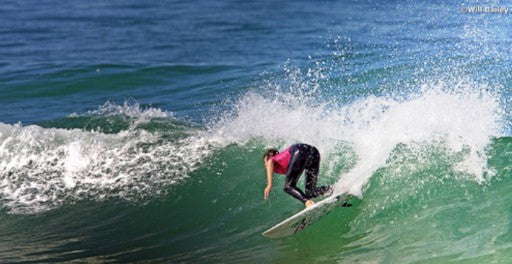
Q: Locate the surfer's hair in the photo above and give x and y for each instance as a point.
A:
(270, 153)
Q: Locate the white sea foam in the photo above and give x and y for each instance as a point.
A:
(127, 109)
(43, 168)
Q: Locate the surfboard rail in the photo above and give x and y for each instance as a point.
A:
(306, 217)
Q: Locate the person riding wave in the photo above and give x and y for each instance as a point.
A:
(292, 162)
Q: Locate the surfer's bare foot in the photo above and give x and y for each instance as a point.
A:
(309, 203)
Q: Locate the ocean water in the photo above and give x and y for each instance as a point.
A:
(132, 131)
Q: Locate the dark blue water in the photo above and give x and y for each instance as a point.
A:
(161, 54)
(133, 131)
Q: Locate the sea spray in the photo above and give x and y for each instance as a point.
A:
(463, 115)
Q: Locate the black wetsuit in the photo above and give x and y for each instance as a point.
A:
(303, 157)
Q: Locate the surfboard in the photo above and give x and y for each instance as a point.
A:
(306, 217)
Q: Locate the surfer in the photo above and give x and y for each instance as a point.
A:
(292, 162)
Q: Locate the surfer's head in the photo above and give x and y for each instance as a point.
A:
(270, 153)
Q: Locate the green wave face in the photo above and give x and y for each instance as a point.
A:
(161, 189)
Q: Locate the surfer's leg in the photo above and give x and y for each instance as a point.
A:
(295, 168)
(312, 171)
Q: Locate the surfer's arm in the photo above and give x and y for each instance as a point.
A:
(269, 165)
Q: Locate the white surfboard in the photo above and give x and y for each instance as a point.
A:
(306, 217)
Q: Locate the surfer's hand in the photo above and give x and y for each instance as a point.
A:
(309, 203)
(267, 191)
